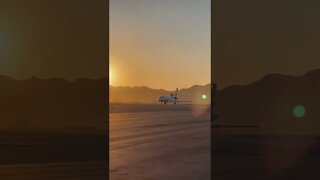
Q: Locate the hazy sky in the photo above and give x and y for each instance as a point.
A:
(253, 38)
(53, 38)
(160, 43)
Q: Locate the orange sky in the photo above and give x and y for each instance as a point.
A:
(160, 44)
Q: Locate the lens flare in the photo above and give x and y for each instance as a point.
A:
(299, 111)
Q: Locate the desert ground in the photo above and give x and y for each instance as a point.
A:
(54, 157)
(257, 157)
(160, 142)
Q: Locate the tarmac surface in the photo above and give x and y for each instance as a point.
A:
(66, 171)
(160, 142)
(53, 157)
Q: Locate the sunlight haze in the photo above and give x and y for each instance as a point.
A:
(160, 44)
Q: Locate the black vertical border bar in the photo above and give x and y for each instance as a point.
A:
(107, 93)
(212, 89)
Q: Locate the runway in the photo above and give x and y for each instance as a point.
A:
(160, 143)
(53, 157)
(66, 171)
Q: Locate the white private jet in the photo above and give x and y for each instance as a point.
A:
(169, 99)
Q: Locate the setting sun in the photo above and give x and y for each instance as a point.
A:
(111, 76)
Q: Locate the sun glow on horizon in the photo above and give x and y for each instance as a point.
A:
(111, 76)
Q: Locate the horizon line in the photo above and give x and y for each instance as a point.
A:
(128, 86)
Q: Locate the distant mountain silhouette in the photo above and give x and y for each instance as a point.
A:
(53, 106)
(59, 106)
(270, 101)
(147, 95)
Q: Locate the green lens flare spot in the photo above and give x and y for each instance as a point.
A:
(204, 97)
(299, 111)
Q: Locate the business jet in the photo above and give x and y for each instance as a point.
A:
(169, 99)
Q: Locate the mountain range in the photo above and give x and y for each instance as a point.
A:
(59, 106)
(270, 103)
(53, 106)
(146, 95)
